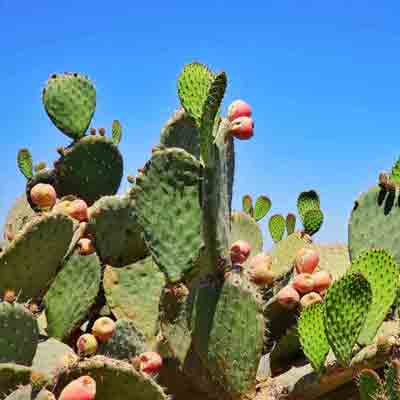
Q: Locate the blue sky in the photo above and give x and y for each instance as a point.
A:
(322, 77)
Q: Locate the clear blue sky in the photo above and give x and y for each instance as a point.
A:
(323, 79)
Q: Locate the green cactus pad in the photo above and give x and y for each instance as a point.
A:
(118, 236)
(312, 221)
(72, 294)
(392, 380)
(181, 131)
(49, 357)
(261, 208)
(307, 201)
(247, 204)
(12, 376)
(116, 132)
(276, 225)
(31, 261)
(373, 223)
(168, 208)
(369, 384)
(115, 379)
(395, 173)
(125, 343)
(312, 335)
(70, 102)
(194, 84)
(290, 223)
(19, 334)
(347, 303)
(19, 215)
(284, 253)
(89, 169)
(285, 350)
(221, 316)
(24, 161)
(134, 292)
(244, 227)
(383, 274)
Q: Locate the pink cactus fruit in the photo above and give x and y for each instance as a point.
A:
(78, 210)
(240, 251)
(86, 247)
(86, 345)
(43, 195)
(323, 280)
(242, 128)
(103, 329)
(260, 271)
(303, 283)
(83, 388)
(237, 109)
(310, 298)
(288, 297)
(150, 362)
(306, 260)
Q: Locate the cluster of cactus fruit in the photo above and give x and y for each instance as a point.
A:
(165, 291)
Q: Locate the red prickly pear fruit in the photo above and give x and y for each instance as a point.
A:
(83, 388)
(9, 296)
(288, 297)
(78, 210)
(322, 279)
(103, 329)
(150, 362)
(86, 345)
(310, 298)
(86, 247)
(237, 109)
(306, 260)
(43, 195)
(240, 251)
(260, 269)
(242, 128)
(303, 283)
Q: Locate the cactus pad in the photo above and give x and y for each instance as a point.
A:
(181, 131)
(31, 261)
(125, 343)
(383, 274)
(392, 380)
(19, 334)
(247, 204)
(290, 223)
(12, 376)
(261, 208)
(276, 225)
(115, 379)
(168, 208)
(312, 221)
(89, 169)
(307, 201)
(369, 384)
(346, 306)
(243, 227)
(134, 292)
(116, 132)
(72, 294)
(313, 339)
(118, 236)
(24, 160)
(70, 102)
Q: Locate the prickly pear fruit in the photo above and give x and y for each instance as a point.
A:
(86, 345)
(310, 298)
(288, 297)
(237, 109)
(9, 296)
(304, 283)
(240, 251)
(78, 210)
(103, 329)
(260, 269)
(242, 128)
(83, 388)
(322, 281)
(306, 260)
(150, 362)
(86, 247)
(43, 195)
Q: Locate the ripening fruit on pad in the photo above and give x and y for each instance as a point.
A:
(43, 195)
(86, 345)
(240, 252)
(238, 108)
(150, 362)
(78, 210)
(288, 297)
(242, 128)
(83, 388)
(103, 329)
(307, 260)
(304, 283)
(322, 280)
(260, 271)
